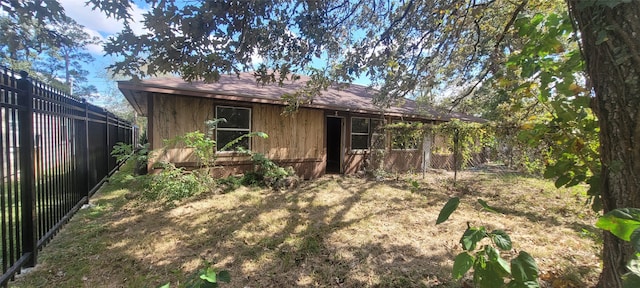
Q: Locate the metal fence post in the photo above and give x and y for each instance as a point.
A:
(87, 165)
(106, 113)
(27, 174)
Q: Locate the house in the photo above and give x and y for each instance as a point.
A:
(331, 134)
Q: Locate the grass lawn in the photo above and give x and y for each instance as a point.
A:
(331, 232)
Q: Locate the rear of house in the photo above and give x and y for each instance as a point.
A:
(337, 132)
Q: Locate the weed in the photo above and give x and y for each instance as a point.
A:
(208, 277)
(415, 185)
(489, 267)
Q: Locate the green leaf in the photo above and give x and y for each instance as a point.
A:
(501, 239)
(620, 222)
(498, 264)
(471, 237)
(462, 263)
(635, 239)
(582, 101)
(448, 208)
(165, 285)
(524, 269)
(486, 206)
(537, 19)
(487, 273)
(562, 180)
(224, 276)
(209, 275)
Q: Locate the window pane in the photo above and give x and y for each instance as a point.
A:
(359, 142)
(224, 137)
(359, 125)
(236, 117)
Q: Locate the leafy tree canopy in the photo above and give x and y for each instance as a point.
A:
(401, 46)
(519, 50)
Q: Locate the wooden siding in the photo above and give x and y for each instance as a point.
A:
(175, 116)
(296, 140)
(296, 137)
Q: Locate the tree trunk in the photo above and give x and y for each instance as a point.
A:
(610, 44)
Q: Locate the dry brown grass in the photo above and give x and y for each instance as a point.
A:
(331, 232)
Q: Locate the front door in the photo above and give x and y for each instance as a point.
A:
(334, 144)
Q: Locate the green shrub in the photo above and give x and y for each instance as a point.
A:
(122, 152)
(267, 172)
(175, 184)
(230, 183)
(252, 179)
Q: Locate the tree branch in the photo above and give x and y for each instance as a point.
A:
(386, 32)
(496, 49)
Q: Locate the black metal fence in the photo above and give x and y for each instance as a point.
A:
(55, 153)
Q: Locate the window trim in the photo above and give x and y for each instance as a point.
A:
(360, 133)
(370, 134)
(247, 130)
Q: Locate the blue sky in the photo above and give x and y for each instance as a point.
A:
(97, 24)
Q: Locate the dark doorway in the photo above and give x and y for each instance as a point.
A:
(334, 145)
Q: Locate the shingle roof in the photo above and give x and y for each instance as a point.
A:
(245, 88)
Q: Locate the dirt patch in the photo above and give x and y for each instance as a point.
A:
(331, 232)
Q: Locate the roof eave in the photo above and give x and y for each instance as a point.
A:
(128, 89)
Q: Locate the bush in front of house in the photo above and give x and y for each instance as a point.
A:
(122, 151)
(268, 173)
(174, 183)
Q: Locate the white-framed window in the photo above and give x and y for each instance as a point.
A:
(366, 133)
(238, 123)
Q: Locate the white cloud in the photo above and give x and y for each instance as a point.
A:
(98, 24)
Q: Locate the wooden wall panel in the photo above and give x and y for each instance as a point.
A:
(175, 116)
(296, 137)
(296, 140)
